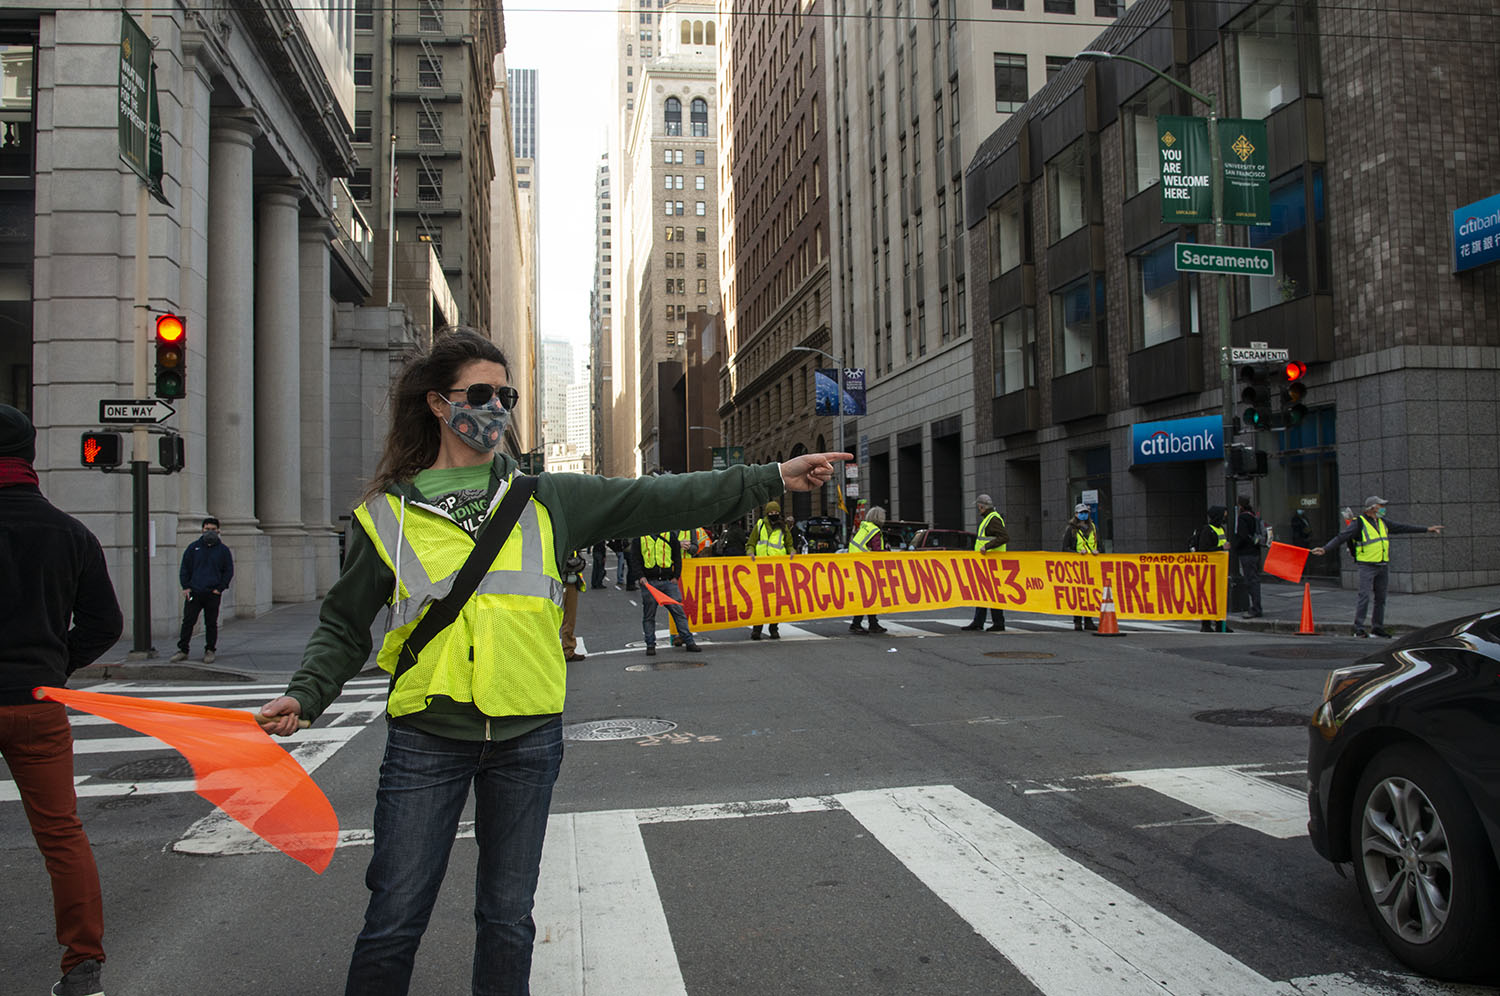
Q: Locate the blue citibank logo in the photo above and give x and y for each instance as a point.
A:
(1178, 440)
(1476, 234)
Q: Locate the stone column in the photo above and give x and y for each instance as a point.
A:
(278, 392)
(316, 309)
(229, 359)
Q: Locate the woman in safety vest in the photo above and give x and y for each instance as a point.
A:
(1209, 538)
(868, 539)
(481, 700)
(1081, 537)
(771, 538)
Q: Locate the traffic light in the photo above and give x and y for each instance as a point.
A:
(102, 449)
(1293, 393)
(1255, 395)
(1246, 461)
(170, 452)
(171, 356)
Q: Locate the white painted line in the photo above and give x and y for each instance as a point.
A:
(118, 745)
(1232, 795)
(898, 629)
(1066, 928)
(557, 956)
(736, 810)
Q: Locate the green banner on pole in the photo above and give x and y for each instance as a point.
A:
(1247, 181)
(727, 456)
(1187, 196)
(139, 118)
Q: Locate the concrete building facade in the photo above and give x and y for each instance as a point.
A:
(601, 361)
(512, 266)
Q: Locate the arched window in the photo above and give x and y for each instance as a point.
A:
(697, 32)
(709, 33)
(687, 30)
(674, 116)
(629, 49)
(700, 118)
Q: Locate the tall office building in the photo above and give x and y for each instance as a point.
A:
(601, 378)
(512, 259)
(521, 86)
(553, 380)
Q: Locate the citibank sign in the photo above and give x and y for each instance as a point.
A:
(1178, 441)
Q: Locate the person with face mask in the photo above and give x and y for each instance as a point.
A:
(771, 538)
(476, 694)
(1081, 537)
(206, 570)
(1371, 533)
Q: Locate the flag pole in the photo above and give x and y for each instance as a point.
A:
(390, 232)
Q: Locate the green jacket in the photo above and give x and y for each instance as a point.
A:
(584, 509)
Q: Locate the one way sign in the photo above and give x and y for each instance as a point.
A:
(153, 410)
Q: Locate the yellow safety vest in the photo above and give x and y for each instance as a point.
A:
(1374, 544)
(656, 551)
(862, 536)
(501, 653)
(1219, 533)
(696, 539)
(1086, 544)
(980, 540)
(769, 542)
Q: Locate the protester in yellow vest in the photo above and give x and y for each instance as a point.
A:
(770, 538)
(867, 538)
(658, 559)
(480, 702)
(1209, 538)
(1081, 537)
(1371, 533)
(992, 535)
(695, 542)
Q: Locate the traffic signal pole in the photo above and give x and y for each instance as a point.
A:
(140, 505)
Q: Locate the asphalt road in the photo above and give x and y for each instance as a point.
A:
(930, 811)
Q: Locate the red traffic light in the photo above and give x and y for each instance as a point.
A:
(101, 449)
(170, 328)
(1295, 370)
(171, 356)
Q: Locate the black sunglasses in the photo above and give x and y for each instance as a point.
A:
(480, 394)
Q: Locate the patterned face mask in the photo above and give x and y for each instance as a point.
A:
(480, 426)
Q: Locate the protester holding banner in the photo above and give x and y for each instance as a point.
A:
(1209, 538)
(867, 539)
(477, 687)
(992, 535)
(770, 538)
(1081, 537)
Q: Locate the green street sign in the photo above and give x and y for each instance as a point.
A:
(1247, 182)
(1237, 260)
(1187, 196)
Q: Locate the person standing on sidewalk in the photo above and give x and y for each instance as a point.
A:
(1247, 533)
(771, 538)
(62, 614)
(207, 568)
(1081, 537)
(572, 572)
(867, 539)
(992, 536)
(479, 703)
(1370, 534)
(1210, 538)
(657, 558)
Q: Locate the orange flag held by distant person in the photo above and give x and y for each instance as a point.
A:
(1286, 561)
(237, 768)
(660, 598)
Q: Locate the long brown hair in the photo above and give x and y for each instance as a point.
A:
(412, 444)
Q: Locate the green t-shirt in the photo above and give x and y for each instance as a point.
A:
(462, 492)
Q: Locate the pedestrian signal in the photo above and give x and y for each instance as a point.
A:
(171, 356)
(1294, 393)
(1245, 461)
(102, 449)
(170, 452)
(1255, 395)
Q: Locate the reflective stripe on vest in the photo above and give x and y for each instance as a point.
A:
(1374, 543)
(769, 542)
(656, 551)
(981, 540)
(502, 652)
(862, 536)
(1085, 544)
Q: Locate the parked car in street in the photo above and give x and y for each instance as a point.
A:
(898, 534)
(824, 534)
(943, 539)
(1403, 775)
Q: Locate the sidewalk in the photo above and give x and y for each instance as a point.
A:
(1333, 608)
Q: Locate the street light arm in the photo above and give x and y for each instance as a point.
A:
(1207, 98)
(814, 349)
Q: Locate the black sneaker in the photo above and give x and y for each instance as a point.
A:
(82, 980)
(877, 628)
(856, 628)
(693, 648)
(775, 633)
(650, 651)
(1360, 632)
(1000, 628)
(1380, 631)
(972, 627)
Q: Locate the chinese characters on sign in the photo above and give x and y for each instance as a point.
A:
(1476, 234)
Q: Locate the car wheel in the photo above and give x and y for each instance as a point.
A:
(1425, 873)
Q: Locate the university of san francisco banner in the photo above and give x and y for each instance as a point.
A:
(720, 592)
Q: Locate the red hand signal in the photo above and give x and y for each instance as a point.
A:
(91, 450)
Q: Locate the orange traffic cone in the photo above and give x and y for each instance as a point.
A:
(1306, 629)
(1107, 624)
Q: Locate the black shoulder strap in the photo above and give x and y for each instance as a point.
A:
(487, 546)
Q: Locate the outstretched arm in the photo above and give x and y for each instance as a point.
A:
(810, 471)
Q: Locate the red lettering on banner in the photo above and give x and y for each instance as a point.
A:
(913, 592)
(944, 582)
(922, 571)
(1208, 589)
(741, 607)
(984, 585)
(765, 576)
(869, 584)
(1012, 570)
(884, 582)
(1107, 576)
(964, 590)
(801, 585)
(700, 606)
(785, 603)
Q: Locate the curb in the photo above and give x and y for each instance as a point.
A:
(1287, 626)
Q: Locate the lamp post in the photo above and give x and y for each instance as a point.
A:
(838, 395)
(1216, 184)
(720, 434)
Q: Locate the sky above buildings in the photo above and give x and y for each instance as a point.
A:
(571, 44)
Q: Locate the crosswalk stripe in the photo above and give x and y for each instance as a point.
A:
(1066, 928)
(1232, 795)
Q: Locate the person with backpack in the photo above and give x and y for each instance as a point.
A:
(1249, 539)
(1210, 538)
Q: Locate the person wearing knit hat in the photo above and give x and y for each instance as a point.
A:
(770, 538)
(1369, 534)
(62, 614)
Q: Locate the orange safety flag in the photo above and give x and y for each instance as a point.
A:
(660, 598)
(237, 767)
(1286, 561)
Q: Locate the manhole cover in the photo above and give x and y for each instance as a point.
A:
(1018, 655)
(1251, 717)
(617, 729)
(150, 769)
(1314, 653)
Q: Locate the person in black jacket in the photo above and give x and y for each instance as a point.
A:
(658, 560)
(207, 568)
(1210, 538)
(1247, 551)
(61, 615)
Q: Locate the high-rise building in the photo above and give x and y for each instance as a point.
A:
(521, 86)
(553, 380)
(601, 377)
(512, 262)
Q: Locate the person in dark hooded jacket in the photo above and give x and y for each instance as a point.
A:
(207, 568)
(1209, 538)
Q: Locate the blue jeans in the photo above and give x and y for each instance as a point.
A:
(424, 784)
(648, 611)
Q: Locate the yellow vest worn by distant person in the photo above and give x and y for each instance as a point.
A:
(981, 539)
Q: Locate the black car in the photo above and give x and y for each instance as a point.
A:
(1404, 783)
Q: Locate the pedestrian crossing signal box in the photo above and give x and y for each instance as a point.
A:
(102, 450)
(1244, 461)
(170, 453)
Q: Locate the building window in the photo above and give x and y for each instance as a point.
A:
(670, 237)
(364, 73)
(1078, 325)
(1013, 351)
(434, 238)
(1066, 191)
(677, 156)
(1142, 159)
(1059, 7)
(430, 71)
(429, 185)
(702, 285)
(431, 16)
(701, 208)
(698, 183)
(699, 114)
(697, 157)
(1291, 198)
(359, 185)
(1010, 82)
(430, 127)
(1056, 64)
(1007, 4)
(670, 209)
(1007, 234)
(364, 15)
(1156, 297)
(362, 126)
(630, 87)
(667, 156)
(702, 234)
(1109, 8)
(674, 116)
(1267, 47)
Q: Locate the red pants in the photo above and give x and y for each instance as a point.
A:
(37, 744)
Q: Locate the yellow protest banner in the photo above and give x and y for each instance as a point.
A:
(719, 592)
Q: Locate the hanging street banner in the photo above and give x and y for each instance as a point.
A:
(1247, 180)
(1187, 196)
(826, 396)
(721, 592)
(854, 391)
(725, 456)
(139, 118)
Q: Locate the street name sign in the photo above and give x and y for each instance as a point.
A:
(132, 412)
(1239, 354)
(1225, 259)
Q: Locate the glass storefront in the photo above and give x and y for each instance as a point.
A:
(1299, 497)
